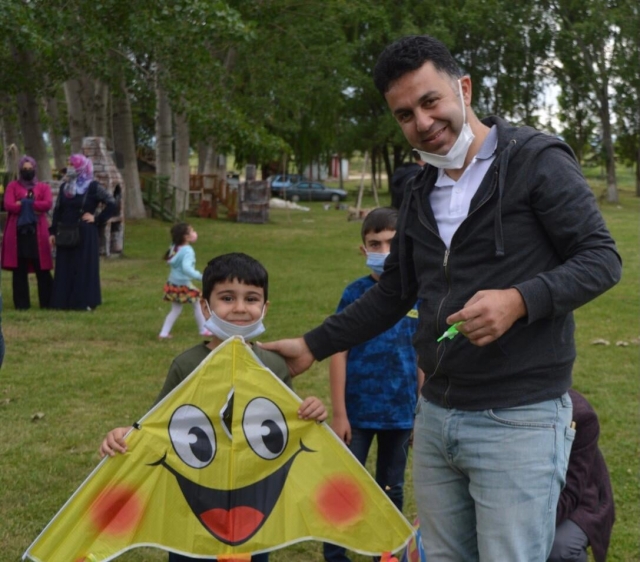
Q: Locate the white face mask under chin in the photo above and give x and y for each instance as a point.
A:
(224, 330)
(454, 159)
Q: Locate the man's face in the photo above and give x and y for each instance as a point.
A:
(427, 106)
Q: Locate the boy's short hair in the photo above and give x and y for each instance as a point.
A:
(234, 266)
(408, 54)
(382, 218)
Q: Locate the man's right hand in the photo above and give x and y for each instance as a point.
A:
(294, 351)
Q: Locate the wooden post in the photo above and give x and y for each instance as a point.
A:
(361, 188)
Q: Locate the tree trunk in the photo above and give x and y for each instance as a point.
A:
(638, 172)
(99, 103)
(211, 162)
(164, 133)
(77, 114)
(607, 141)
(202, 156)
(55, 133)
(10, 134)
(124, 143)
(181, 170)
(34, 146)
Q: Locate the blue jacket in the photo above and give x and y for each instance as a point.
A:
(183, 266)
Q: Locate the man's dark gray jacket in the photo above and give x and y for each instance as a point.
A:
(533, 224)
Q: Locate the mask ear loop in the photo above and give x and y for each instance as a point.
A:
(464, 108)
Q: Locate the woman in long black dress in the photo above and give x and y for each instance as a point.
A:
(76, 283)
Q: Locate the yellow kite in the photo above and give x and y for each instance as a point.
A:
(222, 466)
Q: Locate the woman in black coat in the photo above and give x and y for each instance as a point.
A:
(76, 284)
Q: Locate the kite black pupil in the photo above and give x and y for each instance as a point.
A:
(202, 448)
(274, 440)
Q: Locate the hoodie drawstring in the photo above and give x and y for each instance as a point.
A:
(503, 166)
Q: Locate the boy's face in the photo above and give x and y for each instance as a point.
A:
(236, 302)
(377, 242)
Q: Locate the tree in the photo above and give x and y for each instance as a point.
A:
(627, 87)
(585, 40)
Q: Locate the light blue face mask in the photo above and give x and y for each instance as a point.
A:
(224, 330)
(375, 262)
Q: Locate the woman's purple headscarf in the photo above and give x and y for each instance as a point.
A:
(28, 184)
(84, 168)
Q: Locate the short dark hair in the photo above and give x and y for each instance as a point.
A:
(234, 266)
(408, 54)
(382, 218)
(178, 232)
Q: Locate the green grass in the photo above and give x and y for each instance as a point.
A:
(88, 372)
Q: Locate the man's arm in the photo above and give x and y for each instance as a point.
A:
(377, 310)
(566, 207)
(564, 204)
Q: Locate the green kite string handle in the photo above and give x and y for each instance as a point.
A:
(451, 332)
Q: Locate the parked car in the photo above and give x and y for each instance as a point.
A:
(283, 181)
(313, 191)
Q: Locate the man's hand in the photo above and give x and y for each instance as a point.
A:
(294, 351)
(342, 428)
(489, 314)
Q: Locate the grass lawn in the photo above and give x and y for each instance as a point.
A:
(89, 372)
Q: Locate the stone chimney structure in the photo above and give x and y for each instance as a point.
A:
(106, 172)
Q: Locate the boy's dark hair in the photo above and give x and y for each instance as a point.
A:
(408, 54)
(382, 218)
(234, 266)
(178, 232)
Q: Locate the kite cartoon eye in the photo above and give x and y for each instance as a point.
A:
(265, 428)
(192, 436)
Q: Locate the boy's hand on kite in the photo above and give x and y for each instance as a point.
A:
(294, 351)
(114, 442)
(342, 428)
(312, 408)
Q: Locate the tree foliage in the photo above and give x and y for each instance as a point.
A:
(290, 80)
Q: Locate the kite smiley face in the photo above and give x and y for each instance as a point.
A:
(232, 516)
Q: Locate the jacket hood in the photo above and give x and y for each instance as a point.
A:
(175, 254)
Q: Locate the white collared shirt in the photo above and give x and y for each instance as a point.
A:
(450, 199)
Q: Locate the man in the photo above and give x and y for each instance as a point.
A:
(499, 233)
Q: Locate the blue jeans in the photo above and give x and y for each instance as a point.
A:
(264, 557)
(487, 482)
(391, 462)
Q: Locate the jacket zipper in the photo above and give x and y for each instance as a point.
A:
(445, 265)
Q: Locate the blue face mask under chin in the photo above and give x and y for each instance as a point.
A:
(375, 262)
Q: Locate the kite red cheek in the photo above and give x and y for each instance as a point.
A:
(340, 500)
(116, 510)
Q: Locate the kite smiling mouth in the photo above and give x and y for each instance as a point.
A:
(234, 516)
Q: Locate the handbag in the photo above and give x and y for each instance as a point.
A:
(68, 235)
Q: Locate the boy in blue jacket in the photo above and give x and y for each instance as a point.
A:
(374, 385)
